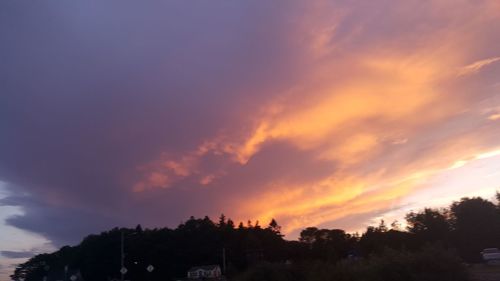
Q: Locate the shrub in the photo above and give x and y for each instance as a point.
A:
(432, 263)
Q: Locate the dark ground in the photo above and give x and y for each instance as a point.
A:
(482, 272)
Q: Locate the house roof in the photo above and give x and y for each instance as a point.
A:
(204, 267)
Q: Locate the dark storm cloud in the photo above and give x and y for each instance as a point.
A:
(17, 255)
(90, 90)
(60, 222)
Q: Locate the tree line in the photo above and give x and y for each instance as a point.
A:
(458, 233)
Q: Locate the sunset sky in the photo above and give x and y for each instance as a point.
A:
(320, 113)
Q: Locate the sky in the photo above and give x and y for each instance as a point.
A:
(328, 113)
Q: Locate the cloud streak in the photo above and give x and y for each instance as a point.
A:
(17, 255)
(475, 67)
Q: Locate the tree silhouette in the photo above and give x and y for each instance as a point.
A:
(430, 225)
(476, 225)
(469, 225)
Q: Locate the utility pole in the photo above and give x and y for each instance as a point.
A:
(122, 256)
(224, 261)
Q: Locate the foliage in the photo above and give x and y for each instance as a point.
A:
(475, 226)
(429, 264)
(254, 252)
(171, 251)
(430, 225)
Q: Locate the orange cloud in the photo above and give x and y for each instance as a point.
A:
(385, 118)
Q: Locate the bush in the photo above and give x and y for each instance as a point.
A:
(268, 272)
(432, 263)
(429, 264)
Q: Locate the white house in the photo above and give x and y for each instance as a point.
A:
(207, 271)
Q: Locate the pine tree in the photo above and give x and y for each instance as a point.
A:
(222, 221)
(274, 226)
(230, 223)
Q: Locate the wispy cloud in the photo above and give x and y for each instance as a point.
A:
(475, 67)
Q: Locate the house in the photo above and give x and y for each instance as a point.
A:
(204, 272)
